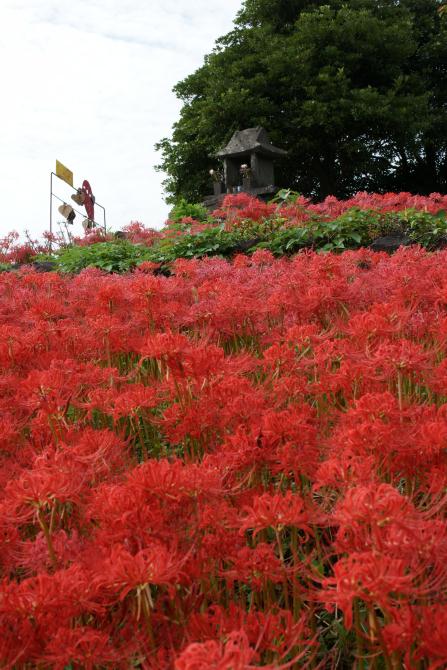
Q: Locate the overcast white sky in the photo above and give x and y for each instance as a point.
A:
(89, 82)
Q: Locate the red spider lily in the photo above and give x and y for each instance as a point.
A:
(262, 257)
(338, 474)
(127, 403)
(125, 572)
(223, 405)
(245, 453)
(212, 655)
(39, 490)
(51, 391)
(18, 642)
(136, 232)
(83, 647)
(269, 631)
(204, 469)
(124, 515)
(375, 579)
(434, 637)
(31, 556)
(254, 566)
(32, 611)
(404, 358)
(237, 208)
(276, 511)
(175, 480)
(219, 524)
(234, 654)
(375, 518)
(402, 633)
(8, 434)
(96, 453)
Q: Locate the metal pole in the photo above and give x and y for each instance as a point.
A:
(103, 216)
(51, 213)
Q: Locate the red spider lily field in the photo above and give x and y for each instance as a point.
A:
(240, 465)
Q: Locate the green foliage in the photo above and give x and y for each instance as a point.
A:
(351, 230)
(287, 241)
(356, 228)
(423, 228)
(356, 92)
(185, 209)
(211, 242)
(118, 256)
(285, 196)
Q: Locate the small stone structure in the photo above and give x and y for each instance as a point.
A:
(389, 243)
(250, 147)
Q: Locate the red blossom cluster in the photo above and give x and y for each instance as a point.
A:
(240, 465)
(242, 206)
(13, 250)
(93, 236)
(137, 233)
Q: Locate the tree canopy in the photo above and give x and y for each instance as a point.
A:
(356, 92)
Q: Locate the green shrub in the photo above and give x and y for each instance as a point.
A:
(351, 230)
(424, 228)
(186, 209)
(211, 242)
(286, 241)
(117, 256)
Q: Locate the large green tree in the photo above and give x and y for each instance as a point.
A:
(355, 91)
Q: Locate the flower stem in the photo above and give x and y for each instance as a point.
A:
(47, 534)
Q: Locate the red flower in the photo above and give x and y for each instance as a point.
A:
(373, 578)
(235, 654)
(126, 572)
(276, 511)
(82, 647)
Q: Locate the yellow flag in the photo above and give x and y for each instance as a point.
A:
(64, 173)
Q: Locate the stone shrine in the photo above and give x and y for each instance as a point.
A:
(248, 165)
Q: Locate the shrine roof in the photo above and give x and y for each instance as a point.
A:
(250, 140)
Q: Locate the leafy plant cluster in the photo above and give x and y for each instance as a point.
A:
(352, 229)
(184, 209)
(6, 267)
(118, 256)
